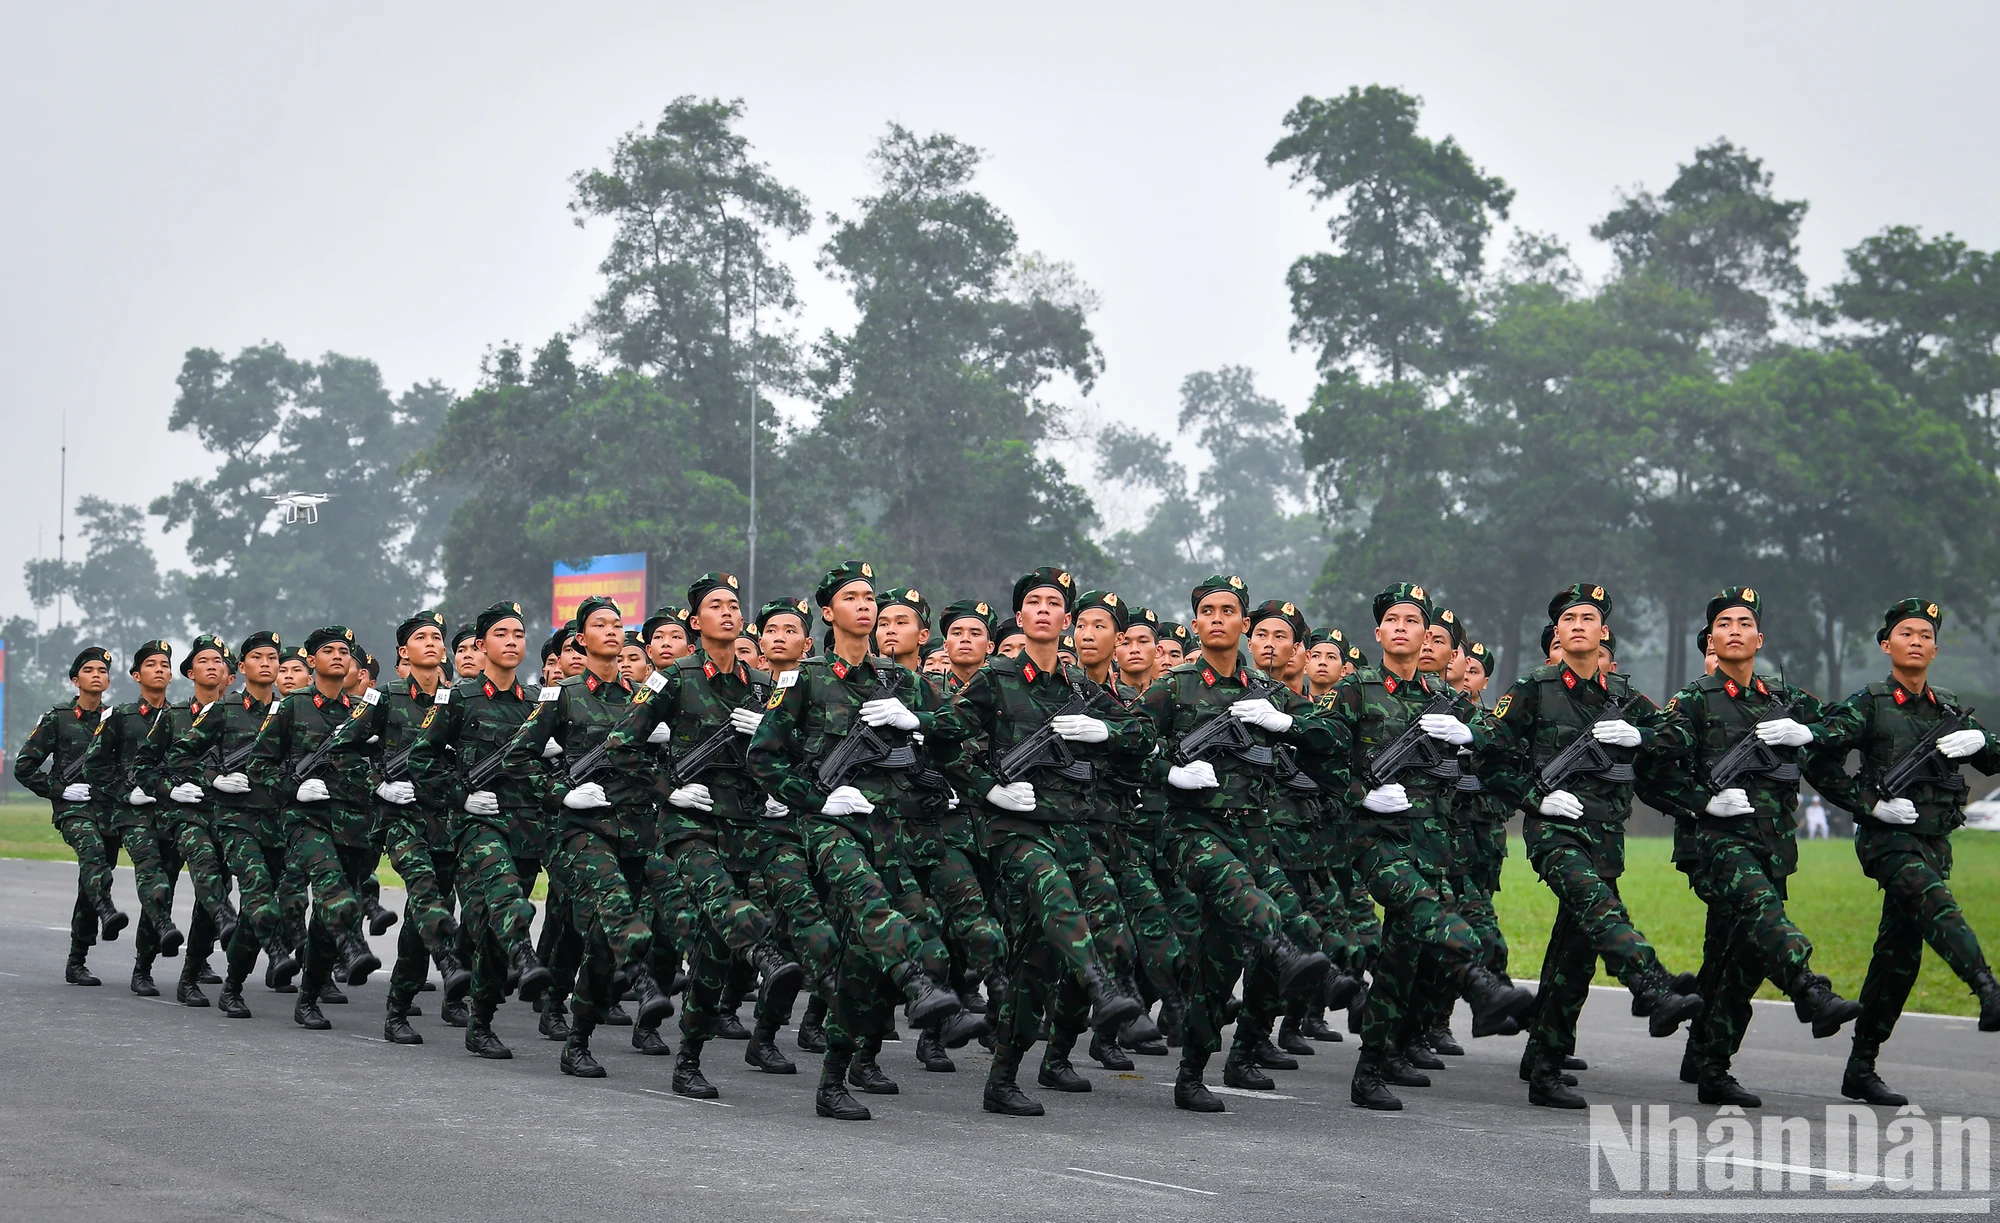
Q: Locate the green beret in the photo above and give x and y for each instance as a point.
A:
(553, 647)
(660, 616)
(1143, 617)
(1910, 609)
(632, 638)
(1009, 627)
(147, 650)
(1452, 625)
(966, 609)
(464, 634)
(1121, 615)
(1047, 575)
(905, 596)
(1578, 593)
(1700, 641)
(1611, 644)
(591, 606)
(298, 652)
(259, 639)
(1216, 583)
(207, 641)
(704, 584)
(321, 637)
(1737, 596)
(784, 607)
(496, 613)
(1404, 592)
(844, 574)
(433, 619)
(1549, 637)
(934, 646)
(1177, 631)
(1279, 609)
(1321, 636)
(373, 664)
(1066, 642)
(90, 653)
(1355, 656)
(1484, 654)
(572, 637)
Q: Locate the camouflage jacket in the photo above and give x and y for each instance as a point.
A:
(580, 717)
(61, 737)
(1009, 700)
(222, 730)
(1187, 696)
(475, 718)
(1542, 714)
(694, 698)
(1372, 708)
(296, 727)
(382, 733)
(1701, 723)
(112, 765)
(153, 752)
(1882, 722)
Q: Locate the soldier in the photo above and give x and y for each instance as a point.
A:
(326, 815)
(1213, 792)
(294, 671)
(1325, 653)
(111, 771)
(1903, 820)
(666, 636)
(50, 764)
(846, 799)
(1139, 649)
(1575, 831)
(1486, 822)
(1400, 846)
(456, 766)
(1175, 642)
(466, 658)
(968, 628)
(244, 818)
(633, 665)
(414, 833)
(607, 828)
(187, 816)
(1733, 839)
(1008, 640)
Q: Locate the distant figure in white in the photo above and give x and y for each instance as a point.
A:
(1816, 819)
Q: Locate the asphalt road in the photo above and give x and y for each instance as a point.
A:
(116, 1107)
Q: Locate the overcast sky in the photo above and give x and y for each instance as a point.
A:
(390, 181)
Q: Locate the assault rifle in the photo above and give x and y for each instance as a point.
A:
(488, 767)
(1415, 749)
(722, 751)
(1924, 763)
(1752, 757)
(1222, 733)
(1586, 757)
(1285, 767)
(866, 747)
(1043, 748)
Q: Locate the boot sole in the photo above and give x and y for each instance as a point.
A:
(1391, 1105)
(1746, 1100)
(830, 1114)
(357, 972)
(781, 989)
(595, 1072)
(109, 930)
(414, 1038)
(1035, 1110)
(170, 943)
(1666, 1020)
(1551, 1102)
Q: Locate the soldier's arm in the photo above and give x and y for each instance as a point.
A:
(1841, 729)
(974, 709)
(1312, 729)
(776, 755)
(1644, 714)
(431, 758)
(185, 756)
(266, 763)
(1512, 752)
(28, 761)
(1986, 759)
(1667, 779)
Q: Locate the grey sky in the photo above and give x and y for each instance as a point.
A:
(390, 181)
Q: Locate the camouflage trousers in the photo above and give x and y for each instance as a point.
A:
(1042, 872)
(1748, 938)
(260, 923)
(1424, 943)
(1261, 1001)
(876, 936)
(334, 873)
(152, 876)
(85, 839)
(200, 851)
(1580, 863)
(1211, 857)
(1154, 929)
(428, 929)
(603, 885)
(778, 854)
(715, 867)
(944, 871)
(1914, 871)
(494, 909)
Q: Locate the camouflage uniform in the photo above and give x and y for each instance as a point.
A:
(61, 737)
(111, 770)
(196, 845)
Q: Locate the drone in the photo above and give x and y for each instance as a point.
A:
(297, 505)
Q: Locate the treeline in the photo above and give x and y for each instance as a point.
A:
(1491, 422)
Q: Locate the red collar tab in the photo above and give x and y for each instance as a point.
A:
(708, 669)
(591, 681)
(1243, 676)
(840, 668)
(79, 711)
(1028, 672)
(249, 702)
(1569, 678)
(1762, 689)
(1729, 686)
(1208, 676)
(491, 691)
(319, 701)
(1389, 684)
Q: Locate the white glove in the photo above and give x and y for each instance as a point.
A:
(661, 734)
(1444, 726)
(1081, 728)
(775, 810)
(586, 797)
(1562, 805)
(1961, 743)
(746, 721)
(1020, 796)
(1895, 811)
(846, 800)
(233, 783)
(1731, 802)
(551, 749)
(1260, 712)
(692, 798)
(482, 802)
(1197, 776)
(1617, 732)
(888, 711)
(76, 792)
(1388, 799)
(951, 804)
(139, 798)
(312, 790)
(186, 792)
(401, 793)
(1783, 732)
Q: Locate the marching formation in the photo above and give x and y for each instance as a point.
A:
(1080, 819)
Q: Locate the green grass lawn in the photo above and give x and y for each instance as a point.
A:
(1836, 905)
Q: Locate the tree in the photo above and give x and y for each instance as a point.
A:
(117, 589)
(924, 451)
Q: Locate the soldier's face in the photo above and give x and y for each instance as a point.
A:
(1043, 614)
(1272, 645)
(678, 643)
(632, 664)
(746, 651)
(1096, 637)
(1454, 667)
(1138, 651)
(505, 644)
(852, 609)
(966, 642)
(572, 660)
(1437, 648)
(935, 663)
(1580, 630)
(603, 635)
(1475, 679)
(784, 640)
(332, 661)
(1323, 665)
(293, 674)
(720, 614)
(1733, 635)
(470, 659)
(260, 666)
(1012, 644)
(154, 674)
(208, 670)
(1220, 621)
(1403, 633)
(1912, 644)
(897, 630)
(93, 677)
(425, 648)
(1171, 652)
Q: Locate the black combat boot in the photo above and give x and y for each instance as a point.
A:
(831, 1098)
(1173, 1018)
(1140, 1029)
(1106, 1053)
(1301, 973)
(1130, 1039)
(1814, 1001)
(926, 1001)
(1399, 1073)
(866, 1073)
(1057, 1073)
(964, 1028)
(1340, 991)
(1494, 1001)
(531, 977)
(1986, 989)
(1547, 1088)
(171, 939)
(306, 1012)
(576, 1060)
(1418, 1056)
(1292, 1040)
(357, 961)
(1860, 1082)
(763, 1052)
(1266, 1054)
(1438, 1036)
(615, 1016)
(204, 975)
(188, 992)
(653, 1004)
(778, 979)
(396, 1027)
(1110, 1006)
(379, 918)
(1718, 1086)
(456, 1014)
(1003, 1094)
(930, 1050)
(812, 1028)
(282, 970)
(457, 977)
(330, 995)
(479, 1036)
(142, 981)
(688, 1079)
(109, 920)
(1690, 1063)
(647, 1040)
(554, 1023)
(1240, 1069)
(76, 972)
(1667, 1007)
(1368, 1090)
(729, 1026)
(1530, 1055)
(1315, 1027)
(224, 916)
(1192, 1094)
(1359, 1003)
(230, 1001)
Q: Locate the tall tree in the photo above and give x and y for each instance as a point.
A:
(117, 590)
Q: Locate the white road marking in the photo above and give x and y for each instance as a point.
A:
(1140, 1180)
